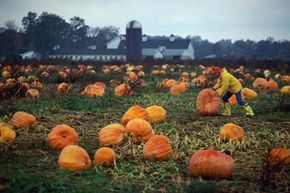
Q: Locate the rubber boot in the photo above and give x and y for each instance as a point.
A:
(226, 111)
(249, 111)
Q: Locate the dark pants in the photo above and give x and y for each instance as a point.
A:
(228, 94)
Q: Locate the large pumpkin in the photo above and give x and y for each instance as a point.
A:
(279, 156)
(7, 135)
(157, 114)
(23, 120)
(211, 164)
(61, 136)
(157, 147)
(73, 157)
(135, 112)
(231, 132)
(104, 156)
(112, 134)
(208, 102)
(140, 129)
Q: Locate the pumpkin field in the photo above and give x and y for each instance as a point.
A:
(89, 127)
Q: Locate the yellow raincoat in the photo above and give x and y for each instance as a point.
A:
(227, 82)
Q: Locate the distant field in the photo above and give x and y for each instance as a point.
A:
(30, 164)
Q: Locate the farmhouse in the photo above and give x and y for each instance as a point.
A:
(132, 47)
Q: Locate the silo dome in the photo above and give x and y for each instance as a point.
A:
(134, 24)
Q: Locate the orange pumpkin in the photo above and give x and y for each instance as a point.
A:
(259, 83)
(208, 102)
(33, 93)
(36, 84)
(93, 90)
(61, 136)
(157, 147)
(271, 86)
(249, 94)
(157, 114)
(231, 132)
(233, 99)
(2, 85)
(112, 134)
(140, 129)
(73, 157)
(7, 135)
(105, 156)
(279, 156)
(135, 112)
(122, 90)
(285, 78)
(178, 89)
(211, 164)
(285, 90)
(23, 120)
(101, 84)
(63, 87)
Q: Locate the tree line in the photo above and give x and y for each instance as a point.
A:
(45, 32)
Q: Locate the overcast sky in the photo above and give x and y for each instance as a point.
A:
(211, 19)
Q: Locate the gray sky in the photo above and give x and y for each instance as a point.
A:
(211, 19)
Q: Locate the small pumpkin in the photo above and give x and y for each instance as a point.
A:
(157, 147)
(140, 129)
(231, 132)
(208, 103)
(61, 136)
(259, 83)
(23, 120)
(135, 112)
(33, 93)
(105, 156)
(178, 89)
(157, 114)
(211, 164)
(285, 90)
(112, 134)
(7, 135)
(271, 86)
(249, 94)
(122, 90)
(279, 156)
(73, 157)
(63, 87)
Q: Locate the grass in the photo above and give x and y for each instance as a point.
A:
(30, 165)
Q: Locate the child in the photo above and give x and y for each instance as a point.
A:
(226, 86)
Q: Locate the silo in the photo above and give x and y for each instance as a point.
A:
(133, 41)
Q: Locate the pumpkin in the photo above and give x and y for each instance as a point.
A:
(63, 87)
(285, 78)
(6, 74)
(61, 136)
(279, 156)
(122, 90)
(105, 156)
(133, 76)
(112, 134)
(33, 93)
(36, 84)
(157, 114)
(249, 94)
(211, 164)
(178, 89)
(23, 120)
(73, 157)
(231, 132)
(208, 102)
(285, 90)
(271, 85)
(157, 147)
(135, 112)
(259, 83)
(93, 90)
(101, 84)
(233, 99)
(7, 135)
(140, 129)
